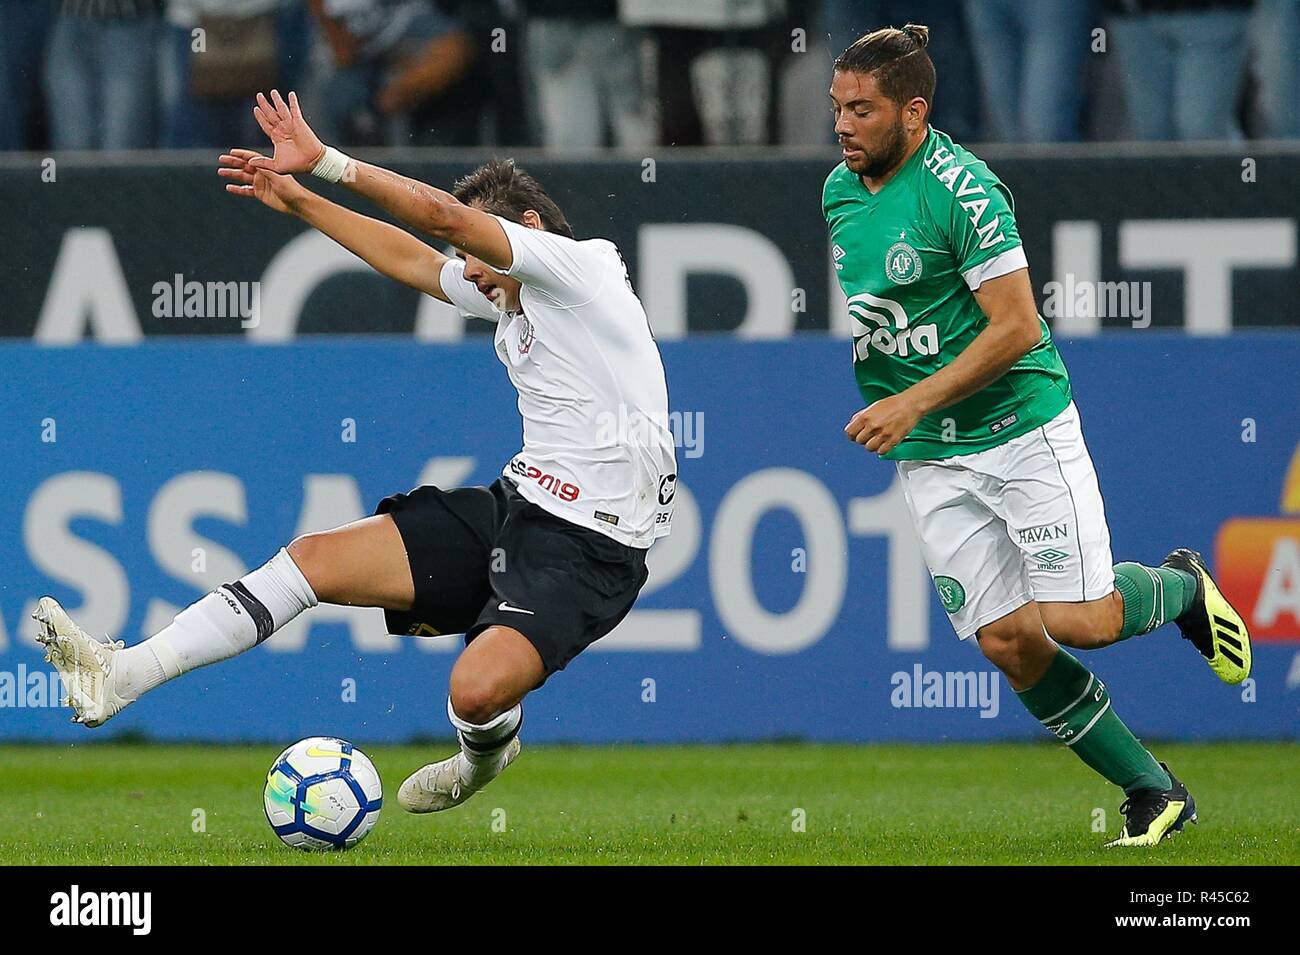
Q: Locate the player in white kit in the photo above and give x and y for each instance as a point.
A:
(532, 569)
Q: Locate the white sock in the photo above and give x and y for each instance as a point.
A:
(233, 618)
(481, 745)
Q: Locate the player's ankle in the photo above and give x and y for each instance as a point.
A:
(474, 774)
(483, 741)
(138, 670)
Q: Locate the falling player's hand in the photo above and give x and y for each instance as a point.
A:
(297, 148)
(881, 425)
(277, 192)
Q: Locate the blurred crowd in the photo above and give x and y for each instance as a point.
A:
(135, 74)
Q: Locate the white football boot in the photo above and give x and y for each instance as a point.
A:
(86, 665)
(449, 783)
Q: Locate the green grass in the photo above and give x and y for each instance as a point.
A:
(990, 804)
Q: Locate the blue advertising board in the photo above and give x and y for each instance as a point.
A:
(789, 602)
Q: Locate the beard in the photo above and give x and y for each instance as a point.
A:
(876, 164)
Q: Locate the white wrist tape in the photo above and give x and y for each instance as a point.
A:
(332, 165)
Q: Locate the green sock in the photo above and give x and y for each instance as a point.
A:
(1075, 706)
(1152, 596)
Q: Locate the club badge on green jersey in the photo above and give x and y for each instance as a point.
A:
(902, 264)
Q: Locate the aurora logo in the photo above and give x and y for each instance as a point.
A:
(881, 324)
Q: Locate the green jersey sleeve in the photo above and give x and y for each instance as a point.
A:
(980, 217)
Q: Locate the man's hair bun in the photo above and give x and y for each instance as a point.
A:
(919, 34)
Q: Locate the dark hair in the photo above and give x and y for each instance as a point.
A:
(897, 58)
(503, 189)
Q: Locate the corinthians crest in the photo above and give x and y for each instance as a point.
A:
(526, 334)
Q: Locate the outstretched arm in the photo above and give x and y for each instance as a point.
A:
(434, 211)
(385, 248)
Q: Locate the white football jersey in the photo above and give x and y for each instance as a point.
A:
(598, 445)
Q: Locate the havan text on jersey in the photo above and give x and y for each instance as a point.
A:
(943, 157)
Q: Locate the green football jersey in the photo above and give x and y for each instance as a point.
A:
(907, 259)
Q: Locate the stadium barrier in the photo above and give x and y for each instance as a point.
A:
(1154, 236)
(789, 601)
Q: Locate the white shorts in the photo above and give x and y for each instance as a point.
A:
(1023, 521)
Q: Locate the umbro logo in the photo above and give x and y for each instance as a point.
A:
(837, 253)
(504, 606)
(1051, 559)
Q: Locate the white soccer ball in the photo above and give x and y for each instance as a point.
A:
(322, 793)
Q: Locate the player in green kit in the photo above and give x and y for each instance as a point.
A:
(966, 392)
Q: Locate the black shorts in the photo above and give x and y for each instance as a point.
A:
(485, 556)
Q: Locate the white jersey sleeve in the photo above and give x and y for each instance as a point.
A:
(463, 293)
(561, 267)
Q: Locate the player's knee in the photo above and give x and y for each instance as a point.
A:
(1009, 643)
(477, 697)
(998, 648)
(308, 553)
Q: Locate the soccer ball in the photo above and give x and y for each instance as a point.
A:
(322, 793)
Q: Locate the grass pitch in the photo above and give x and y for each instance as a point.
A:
(1030, 804)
